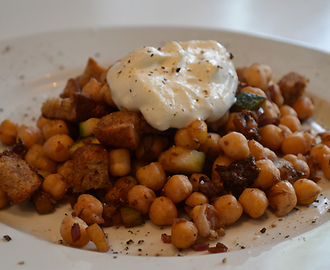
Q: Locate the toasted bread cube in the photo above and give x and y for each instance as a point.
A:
(17, 178)
(119, 130)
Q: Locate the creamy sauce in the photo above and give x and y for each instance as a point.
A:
(176, 84)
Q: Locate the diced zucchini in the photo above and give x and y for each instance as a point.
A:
(86, 128)
(178, 159)
(248, 101)
(83, 141)
(131, 217)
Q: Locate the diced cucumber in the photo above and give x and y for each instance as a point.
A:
(131, 217)
(248, 101)
(178, 159)
(86, 128)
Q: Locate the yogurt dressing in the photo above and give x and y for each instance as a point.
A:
(176, 84)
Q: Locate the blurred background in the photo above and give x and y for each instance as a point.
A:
(303, 21)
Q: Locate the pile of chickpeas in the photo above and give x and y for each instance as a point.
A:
(159, 192)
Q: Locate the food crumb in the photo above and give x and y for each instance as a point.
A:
(263, 230)
(21, 262)
(7, 238)
(224, 260)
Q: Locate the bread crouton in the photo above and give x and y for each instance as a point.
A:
(72, 86)
(77, 108)
(92, 70)
(90, 168)
(18, 179)
(120, 129)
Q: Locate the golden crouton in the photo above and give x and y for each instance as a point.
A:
(18, 179)
(90, 168)
(92, 70)
(72, 86)
(78, 108)
(120, 129)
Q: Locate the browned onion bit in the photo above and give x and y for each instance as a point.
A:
(166, 238)
(238, 175)
(219, 248)
(75, 232)
(200, 247)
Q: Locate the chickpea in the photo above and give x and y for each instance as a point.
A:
(287, 110)
(271, 110)
(268, 174)
(28, 135)
(254, 90)
(152, 176)
(292, 122)
(295, 143)
(271, 136)
(319, 151)
(211, 145)
(269, 154)
(209, 222)
(306, 191)
(197, 130)
(195, 212)
(222, 160)
(300, 166)
(34, 152)
(163, 211)
(89, 209)
(42, 121)
(282, 198)
(254, 202)
(229, 208)
(54, 127)
(183, 233)
(55, 185)
(195, 179)
(57, 147)
(140, 197)
(325, 138)
(182, 138)
(66, 169)
(276, 94)
(325, 166)
(73, 231)
(285, 130)
(178, 188)
(304, 107)
(235, 145)
(119, 162)
(8, 132)
(3, 198)
(43, 163)
(256, 149)
(256, 75)
(196, 198)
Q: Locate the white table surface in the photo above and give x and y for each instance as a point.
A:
(300, 20)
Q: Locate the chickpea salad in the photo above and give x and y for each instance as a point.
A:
(100, 169)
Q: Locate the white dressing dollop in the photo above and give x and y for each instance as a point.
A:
(176, 84)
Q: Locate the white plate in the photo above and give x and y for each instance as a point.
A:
(37, 67)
